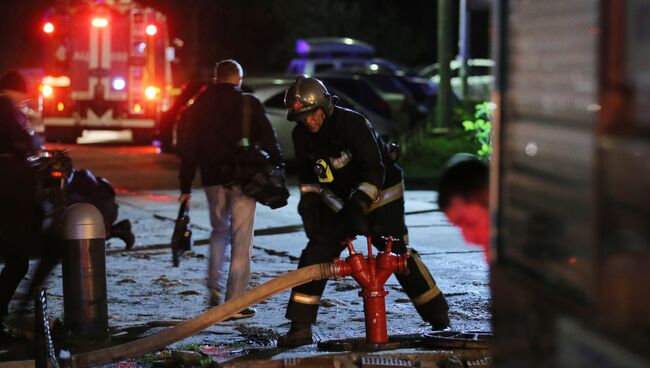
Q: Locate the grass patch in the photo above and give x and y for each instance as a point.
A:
(426, 155)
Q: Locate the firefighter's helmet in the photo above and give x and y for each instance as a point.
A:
(304, 96)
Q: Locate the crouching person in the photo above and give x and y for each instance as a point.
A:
(84, 187)
(349, 185)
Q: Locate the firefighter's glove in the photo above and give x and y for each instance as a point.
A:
(309, 208)
(354, 214)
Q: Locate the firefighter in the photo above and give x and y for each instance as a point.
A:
(349, 185)
(20, 218)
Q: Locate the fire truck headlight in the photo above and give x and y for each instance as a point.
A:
(47, 90)
(150, 92)
(119, 83)
(151, 30)
(48, 28)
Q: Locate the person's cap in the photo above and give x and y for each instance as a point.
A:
(14, 81)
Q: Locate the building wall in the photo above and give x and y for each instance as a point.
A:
(571, 208)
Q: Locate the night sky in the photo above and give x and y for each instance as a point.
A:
(260, 33)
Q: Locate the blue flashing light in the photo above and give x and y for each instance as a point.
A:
(302, 47)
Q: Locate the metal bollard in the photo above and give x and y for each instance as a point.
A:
(84, 271)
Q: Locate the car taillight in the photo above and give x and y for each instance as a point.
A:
(381, 107)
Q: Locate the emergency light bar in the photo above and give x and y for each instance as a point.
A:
(62, 81)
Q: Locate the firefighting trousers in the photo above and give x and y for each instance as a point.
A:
(387, 220)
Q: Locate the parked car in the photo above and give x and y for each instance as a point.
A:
(318, 55)
(479, 79)
(409, 96)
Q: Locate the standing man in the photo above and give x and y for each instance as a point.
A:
(463, 196)
(214, 136)
(20, 217)
(349, 185)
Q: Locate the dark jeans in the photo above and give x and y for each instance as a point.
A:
(21, 236)
(15, 269)
(387, 220)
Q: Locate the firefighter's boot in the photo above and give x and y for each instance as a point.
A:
(299, 334)
(123, 231)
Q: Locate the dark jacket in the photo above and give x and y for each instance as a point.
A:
(20, 214)
(14, 138)
(215, 128)
(348, 132)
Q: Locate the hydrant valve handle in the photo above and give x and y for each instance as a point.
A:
(348, 242)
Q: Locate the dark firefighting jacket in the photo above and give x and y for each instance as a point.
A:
(345, 162)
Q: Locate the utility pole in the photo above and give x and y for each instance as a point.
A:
(463, 46)
(444, 58)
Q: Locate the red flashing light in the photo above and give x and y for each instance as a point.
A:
(151, 30)
(57, 174)
(48, 28)
(100, 22)
(47, 91)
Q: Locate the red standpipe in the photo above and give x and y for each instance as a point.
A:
(372, 273)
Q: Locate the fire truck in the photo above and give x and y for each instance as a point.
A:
(107, 66)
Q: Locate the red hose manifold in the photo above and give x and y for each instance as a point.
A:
(372, 273)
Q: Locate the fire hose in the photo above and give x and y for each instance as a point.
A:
(189, 327)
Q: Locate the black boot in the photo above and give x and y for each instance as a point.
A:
(123, 231)
(299, 334)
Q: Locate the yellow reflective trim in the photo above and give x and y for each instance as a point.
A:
(388, 195)
(426, 296)
(305, 298)
(422, 269)
(371, 190)
(310, 188)
(342, 160)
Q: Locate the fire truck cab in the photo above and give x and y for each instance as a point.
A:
(107, 65)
